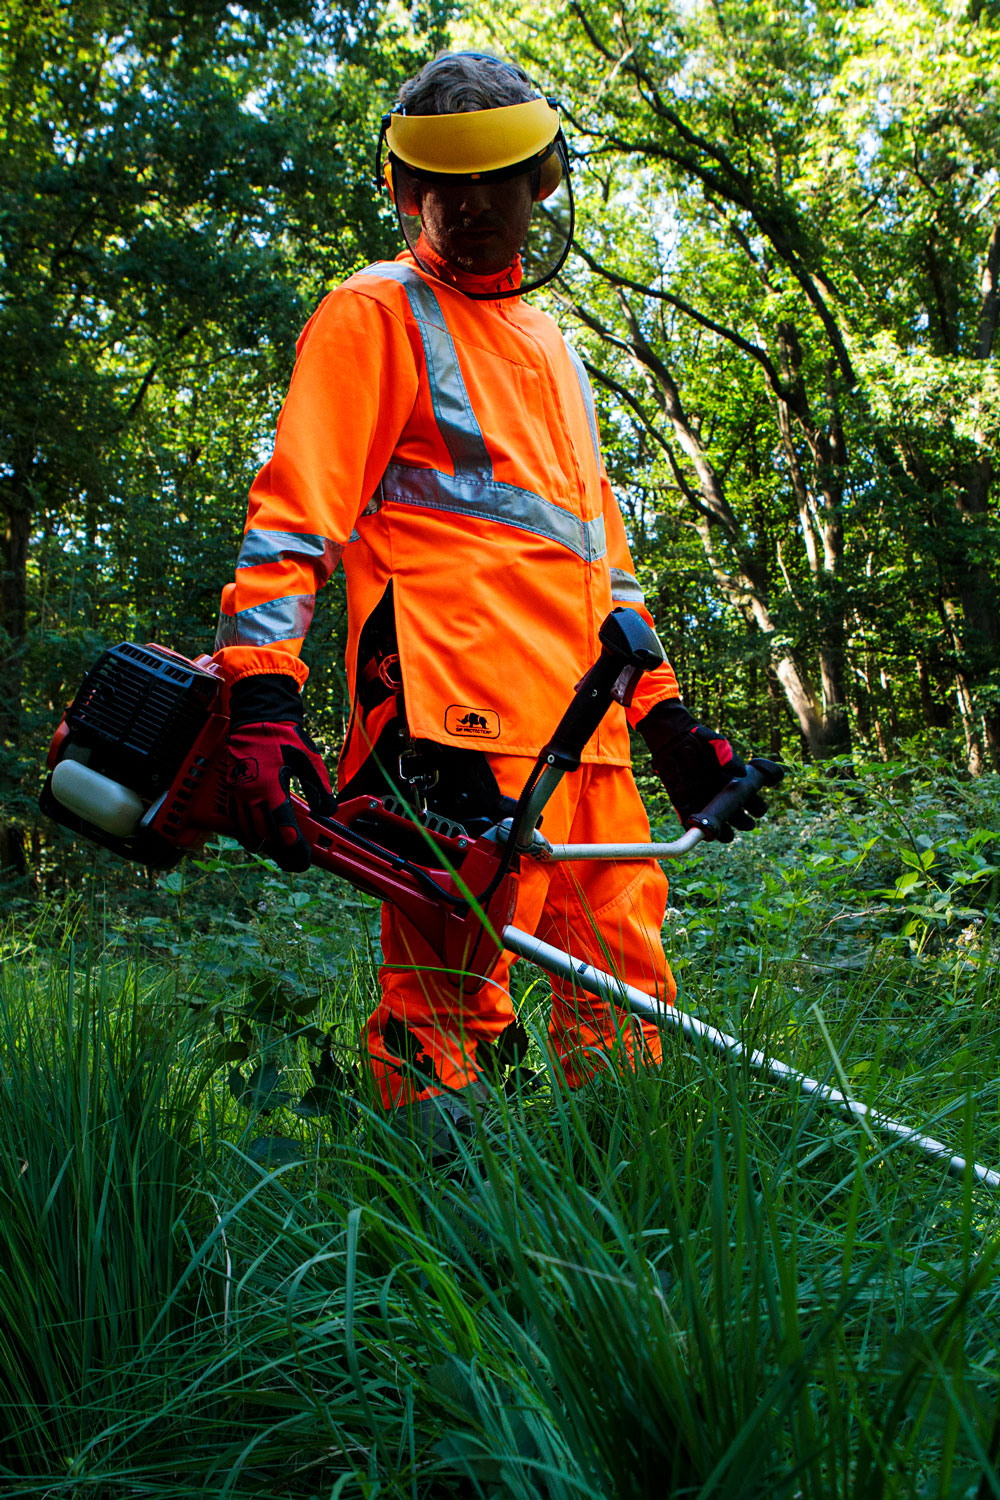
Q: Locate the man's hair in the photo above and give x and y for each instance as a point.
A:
(455, 82)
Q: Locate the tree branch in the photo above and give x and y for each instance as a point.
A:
(989, 307)
(616, 279)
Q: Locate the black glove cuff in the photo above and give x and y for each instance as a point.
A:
(665, 723)
(265, 698)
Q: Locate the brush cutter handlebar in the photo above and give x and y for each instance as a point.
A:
(628, 648)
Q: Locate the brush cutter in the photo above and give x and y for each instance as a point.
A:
(135, 766)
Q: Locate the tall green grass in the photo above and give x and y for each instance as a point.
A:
(684, 1281)
(104, 1199)
(678, 1282)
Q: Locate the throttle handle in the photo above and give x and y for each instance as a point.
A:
(628, 648)
(734, 797)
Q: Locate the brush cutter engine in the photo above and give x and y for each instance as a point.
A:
(132, 765)
(137, 766)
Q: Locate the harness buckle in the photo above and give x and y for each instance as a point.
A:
(415, 773)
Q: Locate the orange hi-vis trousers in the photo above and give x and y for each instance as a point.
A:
(606, 913)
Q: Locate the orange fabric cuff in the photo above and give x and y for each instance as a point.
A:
(250, 661)
(654, 687)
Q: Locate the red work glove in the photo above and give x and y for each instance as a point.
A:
(694, 764)
(267, 747)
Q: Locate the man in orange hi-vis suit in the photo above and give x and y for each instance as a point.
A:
(439, 437)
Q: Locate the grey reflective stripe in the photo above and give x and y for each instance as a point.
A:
(588, 398)
(461, 432)
(487, 500)
(472, 490)
(625, 589)
(278, 620)
(271, 546)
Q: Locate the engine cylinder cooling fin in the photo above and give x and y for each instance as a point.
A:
(433, 822)
(138, 712)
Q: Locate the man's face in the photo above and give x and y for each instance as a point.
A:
(478, 227)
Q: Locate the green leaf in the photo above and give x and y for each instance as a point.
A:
(276, 1151)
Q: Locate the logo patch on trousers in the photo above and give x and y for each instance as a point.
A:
(472, 723)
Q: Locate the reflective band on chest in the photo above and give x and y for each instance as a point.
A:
(588, 398)
(470, 495)
(472, 490)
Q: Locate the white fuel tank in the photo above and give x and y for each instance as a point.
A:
(105, 803)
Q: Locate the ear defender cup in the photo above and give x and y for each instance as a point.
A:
(551, 177)
(402, 192)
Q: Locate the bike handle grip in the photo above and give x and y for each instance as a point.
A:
(735, 795)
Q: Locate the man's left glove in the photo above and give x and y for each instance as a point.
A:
(695, 763)
(267, 747)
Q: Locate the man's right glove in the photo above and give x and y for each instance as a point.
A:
(267, 747)
(695, 764)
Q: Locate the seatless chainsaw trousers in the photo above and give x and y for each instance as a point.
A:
(429, 1035)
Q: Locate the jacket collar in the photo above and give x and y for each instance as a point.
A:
(463, 281)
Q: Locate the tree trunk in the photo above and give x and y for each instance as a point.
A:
(980, 633)
(775, 708)
(972, 727)
(13, 618)
(13, 628)
(935, 714)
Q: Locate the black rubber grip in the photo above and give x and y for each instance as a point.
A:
(589, 704)
(735, 796)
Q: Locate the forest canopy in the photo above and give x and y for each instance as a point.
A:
(784, 286)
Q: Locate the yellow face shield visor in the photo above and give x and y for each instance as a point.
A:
(485, 145)
(482, 143)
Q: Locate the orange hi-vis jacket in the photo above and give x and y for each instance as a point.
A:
(450, 447)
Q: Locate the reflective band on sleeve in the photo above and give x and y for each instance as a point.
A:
(625, 589)
(461, 432)
(471, 495)
(278, 620)
(588, 397)
(271, 546)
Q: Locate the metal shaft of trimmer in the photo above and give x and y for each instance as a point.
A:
(607, 987)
